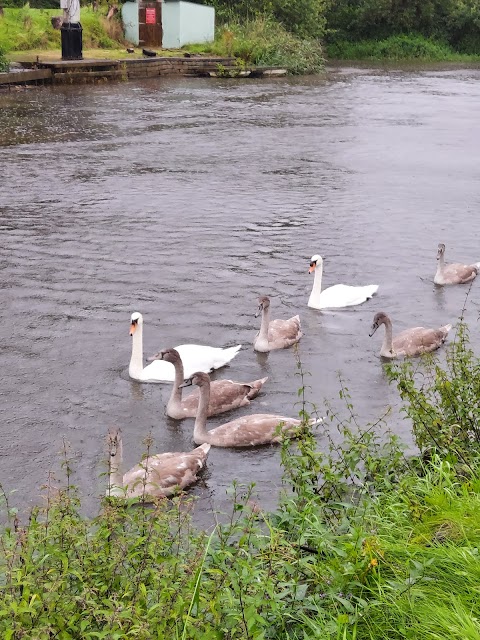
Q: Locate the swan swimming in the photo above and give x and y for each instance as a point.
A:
(411, 342)
(247, 431)
(275, 334)
(225, 394)
(338, 296)
(158, 476)
(454, 273)
(195, 357)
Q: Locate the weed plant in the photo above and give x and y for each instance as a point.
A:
(365, 542)
(443, 400)
(264, 42)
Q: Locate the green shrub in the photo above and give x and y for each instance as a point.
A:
(304, 18)
(399, 47)
(266, 43)
(454, 22)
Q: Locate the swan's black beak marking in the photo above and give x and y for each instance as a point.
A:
(133, 326)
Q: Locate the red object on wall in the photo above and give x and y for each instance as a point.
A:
(150, 15)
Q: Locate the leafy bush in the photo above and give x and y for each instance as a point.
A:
(304, 18)
(463, 26)
(401, 47)
(454, 22)
(266, 43)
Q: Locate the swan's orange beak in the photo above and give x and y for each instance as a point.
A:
(133, 326)
(312, 268)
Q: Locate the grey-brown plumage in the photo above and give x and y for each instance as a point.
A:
(411, 342)
(275, 334)
(224, 394)
(454, 273)
(156, 476)
(248, 431)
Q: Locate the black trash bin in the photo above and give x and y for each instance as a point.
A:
(71, 41)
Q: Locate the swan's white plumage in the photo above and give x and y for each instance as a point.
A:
(195, 357)
(339, 295)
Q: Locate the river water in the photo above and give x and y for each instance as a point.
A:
(185, 199)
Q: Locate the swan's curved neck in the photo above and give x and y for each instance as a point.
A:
(263, 333)
(200, 433)
(136, 361)
(440, 265)
(317, 282)
(115, 475)
(176, 395)
(387, 346)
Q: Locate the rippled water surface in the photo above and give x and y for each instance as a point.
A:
(185, 199)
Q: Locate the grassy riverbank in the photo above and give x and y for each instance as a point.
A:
(26, 29)
(254, 39)
(366, 543)
(397, 48)
(256, 42)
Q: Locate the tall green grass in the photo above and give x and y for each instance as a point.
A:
(24, 29)
(264, 42)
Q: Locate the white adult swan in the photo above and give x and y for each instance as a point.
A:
(249, 431)
(411, 342)
(275, 334)
(225, 394)
(156, 476)
(338, 296)
(454, 273)
(195, 357)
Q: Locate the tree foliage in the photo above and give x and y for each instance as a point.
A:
(304, 18)
(456, 22)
